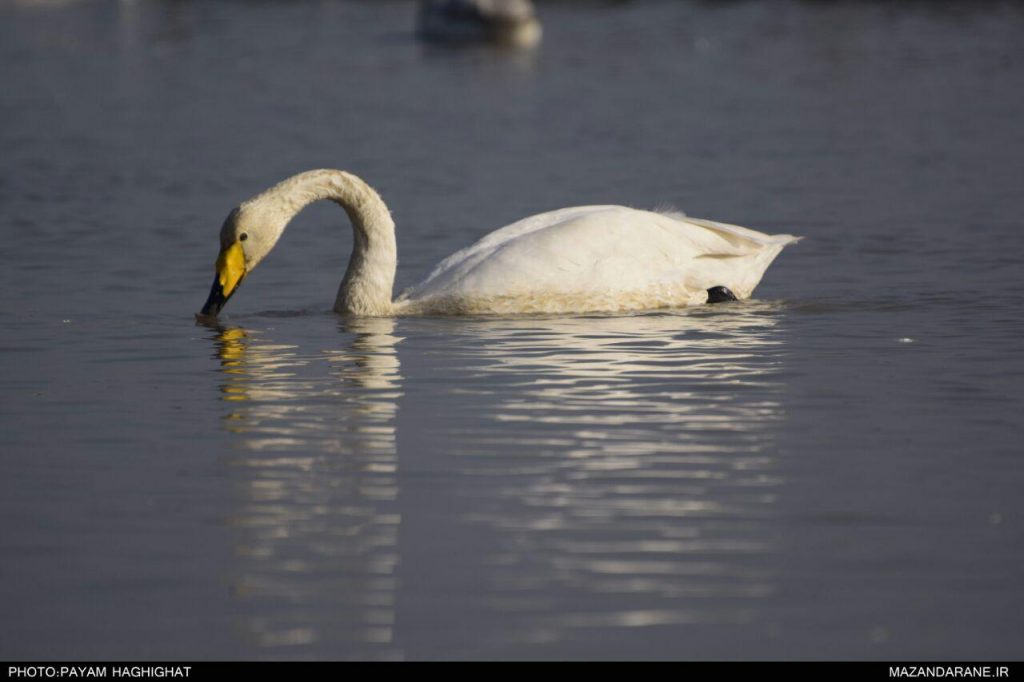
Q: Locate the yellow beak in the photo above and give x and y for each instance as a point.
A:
(230, 273)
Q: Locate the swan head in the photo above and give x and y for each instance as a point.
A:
(246, 237)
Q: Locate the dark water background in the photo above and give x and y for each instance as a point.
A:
(831, 471)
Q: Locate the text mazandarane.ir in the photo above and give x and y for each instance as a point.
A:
(956, 671)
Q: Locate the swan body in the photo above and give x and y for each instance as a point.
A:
(581, 259)
(504, 22)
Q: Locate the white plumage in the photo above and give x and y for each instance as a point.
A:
(597, 258)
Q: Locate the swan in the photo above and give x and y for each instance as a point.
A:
(505, 22)
(572, 260)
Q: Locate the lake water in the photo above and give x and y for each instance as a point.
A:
(833, 470)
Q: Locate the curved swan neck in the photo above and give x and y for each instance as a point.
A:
(366, 287)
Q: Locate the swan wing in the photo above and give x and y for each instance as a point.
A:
(598, 258)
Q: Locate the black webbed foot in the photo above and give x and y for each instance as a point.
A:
(720, 295)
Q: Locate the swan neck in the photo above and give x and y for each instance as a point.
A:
(369, 278)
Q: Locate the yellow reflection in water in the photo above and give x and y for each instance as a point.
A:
(316, 467)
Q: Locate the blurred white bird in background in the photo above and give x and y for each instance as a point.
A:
(501, 22)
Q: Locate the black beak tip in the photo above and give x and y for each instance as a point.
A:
(215, 302)
(210, 310)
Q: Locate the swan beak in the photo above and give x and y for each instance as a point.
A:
(230, 273)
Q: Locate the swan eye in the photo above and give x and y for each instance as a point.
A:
(242, 237)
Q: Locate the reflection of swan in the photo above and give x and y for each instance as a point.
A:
(622, 474)
(505, 22)
(588, 258)
(314, 491)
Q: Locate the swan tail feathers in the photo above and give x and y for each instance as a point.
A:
(743, 235)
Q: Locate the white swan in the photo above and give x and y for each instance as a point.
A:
(505, 22)
(583, 259)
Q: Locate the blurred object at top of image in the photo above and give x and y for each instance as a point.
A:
(511, 23)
